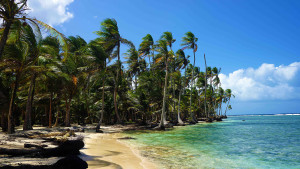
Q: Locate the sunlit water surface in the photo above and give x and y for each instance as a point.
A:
(237, 142)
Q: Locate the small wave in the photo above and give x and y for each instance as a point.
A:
(296, 114)
(291, 114)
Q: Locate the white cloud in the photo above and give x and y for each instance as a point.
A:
(267, 82)
(52, 12)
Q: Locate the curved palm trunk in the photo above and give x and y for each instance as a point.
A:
(163, 114)
(5, 36)
(227, 107)
(10, 126)
(206, 113)
(27, 120)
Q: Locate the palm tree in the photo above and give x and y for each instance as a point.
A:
(9, 10)
(132, 57)
(168, 37)
(146, 47)
(189, 41)
(164, 54)
(98, 64)
(216, 83)
(228, 95)
(182, 61)
(111, 41)
(19, 56)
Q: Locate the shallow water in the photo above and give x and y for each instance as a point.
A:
(257, 142)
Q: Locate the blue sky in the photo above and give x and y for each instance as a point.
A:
(256, 43)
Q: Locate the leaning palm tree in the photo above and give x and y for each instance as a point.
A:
(111, 41)
(146, 47)
(189, 41)
(19, 57)
(96, 53)
(132, 57)
(228, 95)
(10, 10)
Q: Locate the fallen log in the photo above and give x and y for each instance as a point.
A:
(69, 147)
(69, 162)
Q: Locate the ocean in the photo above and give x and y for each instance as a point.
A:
(252, 141)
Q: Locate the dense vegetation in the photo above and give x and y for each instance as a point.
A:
(56, 80)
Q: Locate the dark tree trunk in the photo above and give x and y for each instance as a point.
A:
(27, 120)
(116, 105)
(11, 126)
(5, 36)
(50, 110)
(57, 111)
(68, 105)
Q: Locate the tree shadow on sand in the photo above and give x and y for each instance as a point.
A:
(95, 161)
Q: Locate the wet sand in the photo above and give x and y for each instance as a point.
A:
(105, 151)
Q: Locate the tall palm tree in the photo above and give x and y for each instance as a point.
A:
(111, 41)
(190, 42)
(216, 83)
(168, 37)
(98, 56)
(183, 61)
(163, 54)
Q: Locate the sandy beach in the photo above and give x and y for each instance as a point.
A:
(106, 151)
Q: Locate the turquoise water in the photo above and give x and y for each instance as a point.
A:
(257, 142)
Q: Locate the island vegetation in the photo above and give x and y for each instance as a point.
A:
(58, 81)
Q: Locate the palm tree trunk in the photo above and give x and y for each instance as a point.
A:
(5, 36)
(87, 95)
(116, 86)
(205, 88)
(178, 116)
(68, 106)
(227, 107)
(50, 110)
(116, 105)
(27, 120)
(102, 109)
(57, 117)
(163, 114)
(11, 127)
(192, 85)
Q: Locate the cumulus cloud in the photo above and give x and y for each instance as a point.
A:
(267, 82)
(52, 12)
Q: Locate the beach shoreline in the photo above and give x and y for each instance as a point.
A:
(106, 150)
